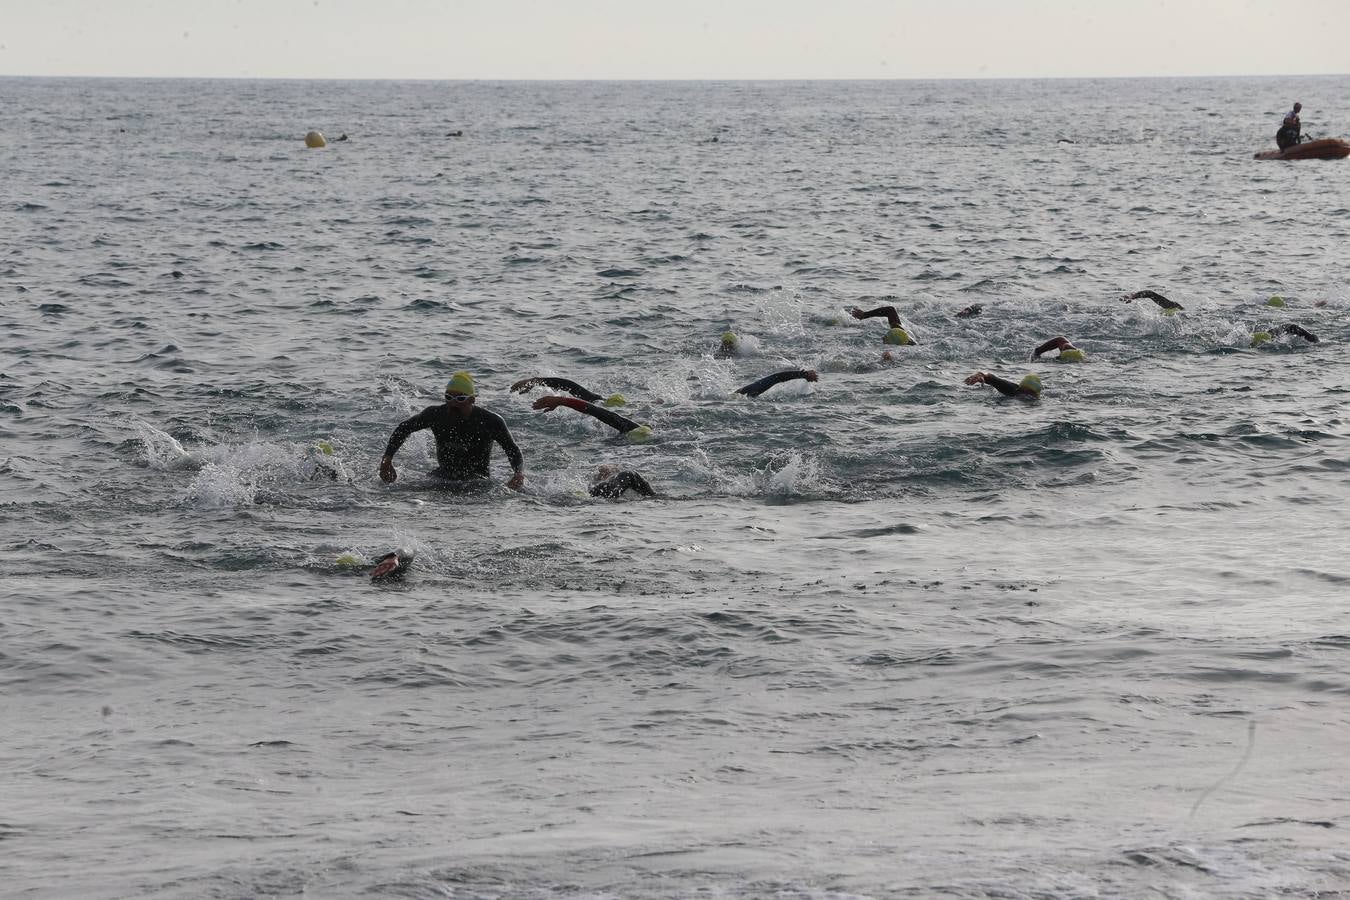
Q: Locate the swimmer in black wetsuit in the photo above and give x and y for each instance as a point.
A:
(896, 334)
(464, 435)
(756, 388)
(970, 311)
(1067, 351)
(566, 384)
(625, 426)
(610, 483)
(1268, 334)
(1168, 306)
(1028, 389)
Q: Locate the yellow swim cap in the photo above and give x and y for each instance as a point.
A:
(1169, 311)
(897, 336)
(639, 434)
(729, 338)
(1261, 337)
(325, 448)
(1074, 355)
(1275, 300)
(460, 383)
(614, 400)
(1031, 383)
(348, 559)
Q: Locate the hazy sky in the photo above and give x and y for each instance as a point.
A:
(688, 39)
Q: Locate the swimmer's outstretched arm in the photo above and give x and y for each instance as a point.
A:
(890, 312)
(1060, 343)
(615, 485)
(1299, 330)
(1002, 385)
(388, 473)
(622, 424)
(558, 384)
(768, 381)
(1155, 297)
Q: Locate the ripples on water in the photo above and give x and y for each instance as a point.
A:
(883, 635)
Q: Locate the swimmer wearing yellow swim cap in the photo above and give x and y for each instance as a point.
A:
(896, 333)
(630, 430)
(1029, 388)
(1067, 351)
(464, 436)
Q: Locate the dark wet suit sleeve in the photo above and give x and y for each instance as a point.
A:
(1055, 343)
(566, 384)
(768, 381)
(890, 312)
(1004, 386)
(1156, 298)
(609, 417)
(1299, 330)
(615, 485)
(405, 428)
(502, 435)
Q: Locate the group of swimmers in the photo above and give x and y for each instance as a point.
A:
(465, 432)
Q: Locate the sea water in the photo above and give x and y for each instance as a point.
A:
(882, 635)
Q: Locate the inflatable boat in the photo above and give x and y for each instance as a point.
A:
(1326, 148)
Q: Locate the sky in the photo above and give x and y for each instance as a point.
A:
(693, 39)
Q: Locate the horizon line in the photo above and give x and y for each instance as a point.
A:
(637, 80)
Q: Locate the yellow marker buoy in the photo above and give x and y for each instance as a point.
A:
(315, 139)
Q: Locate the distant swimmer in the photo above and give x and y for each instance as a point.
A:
(1168, 306)
(610, 483)
(730, 346)
(318, 463)
(464, 436)
(525, 385)
(754, 389)
(1029, 388)
(1067, 351)
(896, 334)
(459, 132)
(390, 566)
(1291, 128)
(1265, 335)
(631, 430)
(970, 311)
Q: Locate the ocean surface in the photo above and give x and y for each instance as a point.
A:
(883, 635)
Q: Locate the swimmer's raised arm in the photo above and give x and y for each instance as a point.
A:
(756, 388)
(1028, 389)
(890, 312)
(1060, 343)
(1155, 297)
(558, 384)
(1299, 330)
(620, 423)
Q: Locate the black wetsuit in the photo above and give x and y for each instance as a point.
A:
(614, 486)
(463, 442)
(571, 387)
(890, 312)
(1010, 388)
(1299, 330)
(768, 381)
(610, 418)
(1156, 298)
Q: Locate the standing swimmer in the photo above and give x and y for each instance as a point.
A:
(464, 436)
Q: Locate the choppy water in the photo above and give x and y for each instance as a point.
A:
(886, 635)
